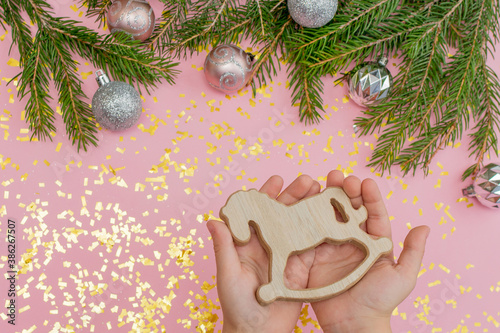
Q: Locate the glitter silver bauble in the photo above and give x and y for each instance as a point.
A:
(371, 83)
(312, 13)
(116, 105)
(486, 186)
(228, 68)
(135, 17)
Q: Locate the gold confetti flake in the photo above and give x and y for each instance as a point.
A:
(435, 283)
(422, 272)
(13, 62)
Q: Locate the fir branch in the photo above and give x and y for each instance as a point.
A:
(76, 114)
(129, 63)
(408, 103)
(356, 15)
(52, 49)
(97, 9)
(487, 113)
(422, 151)
(34, 80)
(21, 34)
(440, 24)
(266, 52)
(434, 98)
(206, 20)
(173, 14)
(360, 48)
(261, 18)
(307, 92)
(413, 101)
(425, 118)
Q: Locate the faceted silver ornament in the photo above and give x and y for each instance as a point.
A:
(371, 83)
(312, 13)
(116, 105)
(486, 186)
(228, 68)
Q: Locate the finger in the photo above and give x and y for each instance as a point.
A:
(413, 251)
(378, 223)
(272, 186)
(226, 257)
(335, 178)
(315, 189)
(352, 187)
(296, 190)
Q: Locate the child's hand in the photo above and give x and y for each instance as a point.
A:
(368, 305)
(242, 269)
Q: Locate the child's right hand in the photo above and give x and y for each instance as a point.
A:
(366, 307)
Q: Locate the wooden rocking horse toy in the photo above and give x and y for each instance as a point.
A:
(288, 230)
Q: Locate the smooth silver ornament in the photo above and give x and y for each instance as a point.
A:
(371, 83)
(312, 13)
(486, 186)
(228, 68)
(116, 105)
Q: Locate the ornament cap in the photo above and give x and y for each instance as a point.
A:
(383, 61)
(101, 78)
(251, 55)
(469, 191)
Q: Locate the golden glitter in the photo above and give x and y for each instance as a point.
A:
(438, 206)
(328, 147)
(13, 62)
(422, 272)
(447, 213)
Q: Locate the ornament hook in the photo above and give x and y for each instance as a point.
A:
(101, 77)
(383, 61)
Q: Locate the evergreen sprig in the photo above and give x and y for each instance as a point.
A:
(49, 53)
(435, 99)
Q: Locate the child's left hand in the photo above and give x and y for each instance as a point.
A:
(242, 269)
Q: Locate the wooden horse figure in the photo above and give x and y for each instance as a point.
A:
(287, 230)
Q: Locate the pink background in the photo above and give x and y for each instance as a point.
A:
(79, 225)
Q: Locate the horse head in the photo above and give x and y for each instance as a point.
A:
(235, 218)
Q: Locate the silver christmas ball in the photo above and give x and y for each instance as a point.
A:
(228, 68)
(371, 83)
(116, 105)
(312, 13)
(486, 186)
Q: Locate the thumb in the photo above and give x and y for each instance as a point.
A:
(413, 251)
(226, 257)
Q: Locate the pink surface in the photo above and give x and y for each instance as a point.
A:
(133, 208)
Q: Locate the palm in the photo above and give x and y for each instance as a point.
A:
(371, 295)
(278, 316)
(386, 284)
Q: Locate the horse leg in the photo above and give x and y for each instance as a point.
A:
(267, 293)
